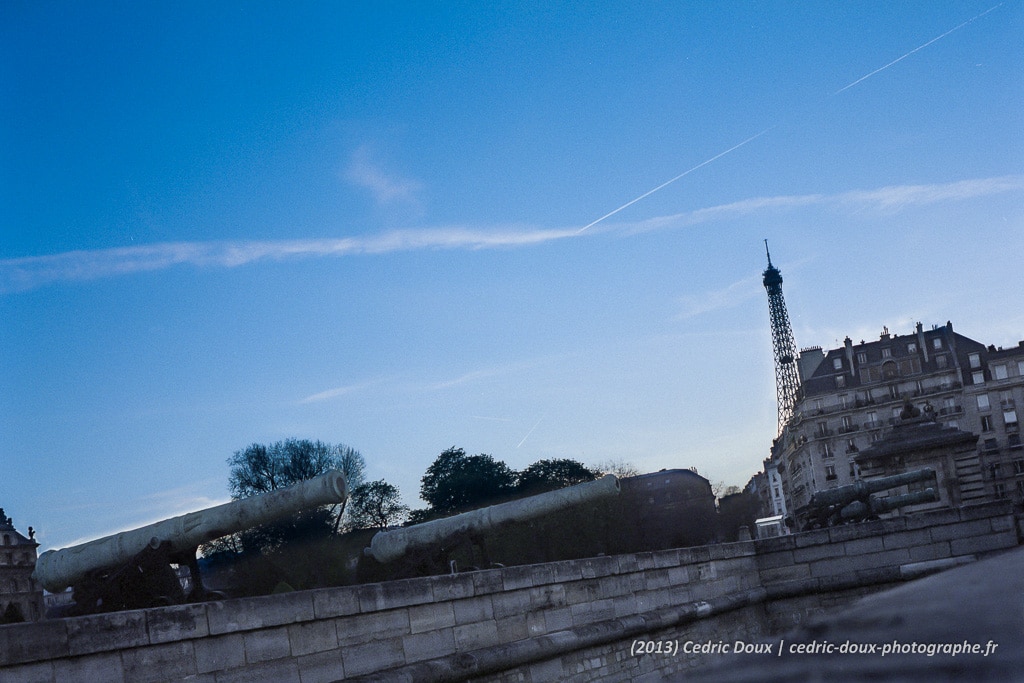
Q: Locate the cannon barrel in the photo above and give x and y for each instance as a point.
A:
(877, 506)
(387, 546)
(58, 569)
(861, 489)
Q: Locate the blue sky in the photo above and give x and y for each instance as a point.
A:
(366, 223)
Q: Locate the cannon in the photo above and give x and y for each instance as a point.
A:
(132, 569)
(387, 546)
(854, 502)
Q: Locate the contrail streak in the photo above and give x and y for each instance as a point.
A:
(531, 431)
(920, 47)
(669, 182)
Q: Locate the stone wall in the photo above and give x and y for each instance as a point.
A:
(563, 620)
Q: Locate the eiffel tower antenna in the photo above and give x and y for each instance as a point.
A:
(787, 376)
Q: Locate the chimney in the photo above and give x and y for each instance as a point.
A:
(920, 341)
(848, 343)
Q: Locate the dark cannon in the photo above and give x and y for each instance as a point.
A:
(133, 569)
(855, 503)
(388, 546)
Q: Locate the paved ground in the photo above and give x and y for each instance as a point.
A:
(965, 624)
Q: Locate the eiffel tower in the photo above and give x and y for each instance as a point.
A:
(787, 376)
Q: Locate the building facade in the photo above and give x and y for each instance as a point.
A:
(853, 397)
(21, 598)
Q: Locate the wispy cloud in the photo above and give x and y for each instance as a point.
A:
(34, 271)
(21, 274)
(727, 297)
(386, 188)
(885, 200)
(337, 391)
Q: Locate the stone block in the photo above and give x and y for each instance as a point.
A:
(312, 636)
(423, 618)
(563, 572)
(218, 653)
(907, 539)
(543, 597)
(549, 670)
(982, 544)
(772, 545)
(335, 602)
(37, 672)
(487, 581)
(244, 614)
(180, 622)
(104, 667)
(509, 604)
(370, 657)
(267, 672)
(453, 587)
(598, 566)
(266, 644)
(406, 592)
(679, 575)
(473, 610)
(663, 559)
(321, 667)
(644, 561)
(363, 628)
(517, 627)
(420, 646)
(986, 510)
(932, 551)
(808, 538)
(589, 612)
(104, 632)
(819, 552)
(484, 634)
(782, 558)
(626, 564)
(1005, 523)
(558, 619)
(33, 641)
(869, 544)
(949, 532)
(157, 663)
(925, 520)
(624, 605)
(370, 597)
(657, 578)
(879, 575)
(515, 578)
(612, 586)
(581, 591)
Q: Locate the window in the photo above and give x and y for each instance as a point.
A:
(840, 381)
(937, 343)
(912, 347)
(1010, 418)
(876, 436)
(953, 424)
(940, 362)
(1000, 490)
(1020, 368)
(999, 372)
(830, 472)
(837, 363)
(847, 422)
(851, 446)
(974, 359)
(887, 353)
(986, 423)
(1013, 441)
(978, 377)
(1018, 467)
(896, 412)
(983, 402)
(862, 358)
(1020, 487)
(826, 451)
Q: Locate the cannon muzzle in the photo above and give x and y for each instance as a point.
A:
(863, 488)
(391, 545)
(58, 569)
